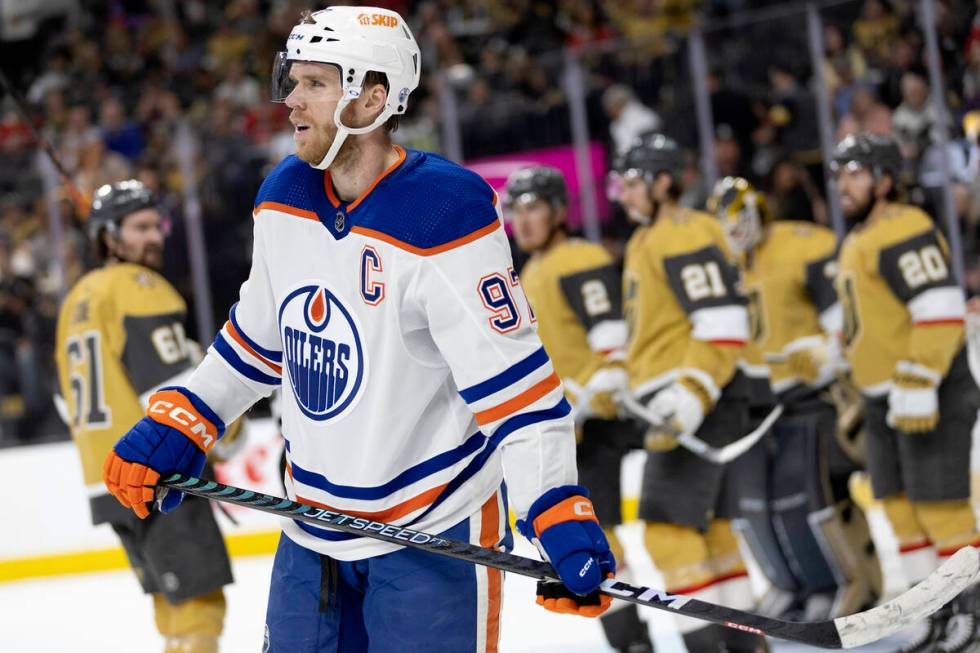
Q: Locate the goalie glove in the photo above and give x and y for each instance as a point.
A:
(913, 402)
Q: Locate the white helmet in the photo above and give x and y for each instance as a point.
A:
(356, 40)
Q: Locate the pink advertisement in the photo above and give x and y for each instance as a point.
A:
(495, 170)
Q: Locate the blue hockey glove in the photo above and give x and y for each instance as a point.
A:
(563, 525)
(175, 436)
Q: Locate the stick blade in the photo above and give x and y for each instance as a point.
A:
(937, 589)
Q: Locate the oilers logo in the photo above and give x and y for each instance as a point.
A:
(322, 351)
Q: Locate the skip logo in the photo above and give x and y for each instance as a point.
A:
(322, 352)
(383, 20)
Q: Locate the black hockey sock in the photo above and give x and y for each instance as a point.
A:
(625, 631)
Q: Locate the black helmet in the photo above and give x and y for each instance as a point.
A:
(878, 154)
(113, 202)
(650, 155)
(536, 182)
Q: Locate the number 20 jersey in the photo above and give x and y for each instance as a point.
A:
(120, 333)
(409, 361)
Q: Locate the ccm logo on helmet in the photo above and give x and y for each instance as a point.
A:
(383, 20)
(184, 417)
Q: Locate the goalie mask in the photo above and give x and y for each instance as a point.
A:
(742, 210)
(355, 40)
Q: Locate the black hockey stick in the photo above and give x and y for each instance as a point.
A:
(955, 575)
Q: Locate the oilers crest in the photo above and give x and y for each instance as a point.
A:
(322, 351)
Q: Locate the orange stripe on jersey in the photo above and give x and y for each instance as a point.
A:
(328, 183)
(388, 514)
(285, 208)
(489, 537)
(577, 508)
(173, 409)
(940, 322)
(728, 343)
(945, 553)
(241, 341)
(428, 251)
(522, 400)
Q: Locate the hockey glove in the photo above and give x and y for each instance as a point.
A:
(604, 386)
(815, 360)
(913, 402)
(562, 524)
(680, 409)
(175, 436)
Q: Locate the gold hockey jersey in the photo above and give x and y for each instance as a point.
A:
(575, 291)
(788, 280)
(120, 334)
(685, 315)
(900, 300)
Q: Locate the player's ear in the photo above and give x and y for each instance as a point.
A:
(374, 98)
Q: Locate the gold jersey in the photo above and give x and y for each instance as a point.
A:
(120, 334)
(575, 291)
(900, 300)
(788, 279)
(685, 315)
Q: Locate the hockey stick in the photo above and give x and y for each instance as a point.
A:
(694, 444)
(940, 587)
(81, 206)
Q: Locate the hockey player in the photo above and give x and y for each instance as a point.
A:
(793, 492)
(904, 340)
(382, 297)
(119, 335)
(576, 291)
(687, 324)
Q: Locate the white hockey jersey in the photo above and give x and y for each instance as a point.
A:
(409, 360)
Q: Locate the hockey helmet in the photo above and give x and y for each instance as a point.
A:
(650, 155)
(534, 183)
(742, 211)
(877, 154)
(356, 40)
(113, 202)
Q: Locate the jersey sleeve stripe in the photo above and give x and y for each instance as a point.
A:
(521, 401)
(411, 475)
(938, 305)
(230, 356)
(272, 355)
(285, 208)
(508, 377)
(237, 337)
(428, 251)
(720, 324)
(952, 320)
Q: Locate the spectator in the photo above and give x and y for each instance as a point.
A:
(791, 110)
(867, 114)
(629, 117)
(971, 75)
(120, 135)
(238, 88)
(876, 29)
(793, 195)
(915, 117)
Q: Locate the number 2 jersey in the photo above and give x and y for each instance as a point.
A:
(410, 367)
(120, 334)
(685, 316)
(900, 300)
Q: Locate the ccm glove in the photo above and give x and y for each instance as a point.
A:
(175, 436)
(562, 524)
(913, 402)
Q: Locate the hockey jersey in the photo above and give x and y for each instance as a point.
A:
(788, 279)
(576, 292)
(410, 367)
(900, 301)
(120, 334)
(683, 310)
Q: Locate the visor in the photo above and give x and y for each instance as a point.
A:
(280, 86)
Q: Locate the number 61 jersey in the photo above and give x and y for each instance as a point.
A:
(410, 367)
(120, 334)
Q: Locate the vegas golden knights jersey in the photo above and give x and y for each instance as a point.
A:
(120, 334)
(575, 291)
(788, 280)
(900, 300)
(684, 313)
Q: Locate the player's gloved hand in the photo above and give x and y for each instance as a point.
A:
(913, 402)
(815, 360)
(562, 524)
(604, 387)
(175, 436)
(679, 409)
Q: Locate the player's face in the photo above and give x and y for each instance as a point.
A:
(140, 239)
(635, 199)
(533, 223)
(313, 102)
(856, 188)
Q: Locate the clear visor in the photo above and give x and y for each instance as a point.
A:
(280, 86)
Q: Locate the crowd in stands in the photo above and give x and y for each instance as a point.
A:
(112, 89)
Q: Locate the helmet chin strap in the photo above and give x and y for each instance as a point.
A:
(343, 131)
